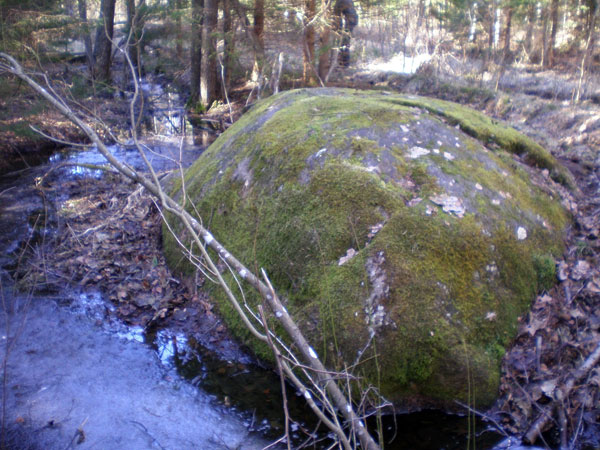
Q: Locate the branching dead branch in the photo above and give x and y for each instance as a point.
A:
(203, 239)
(560, 394)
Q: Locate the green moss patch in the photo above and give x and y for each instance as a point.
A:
(401, 245)
(491, 131)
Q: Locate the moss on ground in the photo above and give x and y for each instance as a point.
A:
(308, 176)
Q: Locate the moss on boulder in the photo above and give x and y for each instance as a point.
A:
(399, 242)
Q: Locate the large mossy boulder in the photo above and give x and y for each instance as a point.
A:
(405, 247)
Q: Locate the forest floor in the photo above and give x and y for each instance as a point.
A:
(110, 238)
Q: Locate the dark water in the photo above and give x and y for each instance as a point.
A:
(256, 394)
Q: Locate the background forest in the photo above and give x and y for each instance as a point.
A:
(206, 46)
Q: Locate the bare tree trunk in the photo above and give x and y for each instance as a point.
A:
(208, 68)
(178, 29)
(228, 43)
(530, 24)
(346, 19)
(259, 20)
(309, 43)
(196, 50)
(554, 30)
(491, 33)
(507, 33)
(104, 35)
(259, 32)
(420, 14)
(589, 48)
(544, 46)
(133, 47)
(87, 39)
(69, 7)
(324, 53)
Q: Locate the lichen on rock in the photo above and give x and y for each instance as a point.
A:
(400, 243)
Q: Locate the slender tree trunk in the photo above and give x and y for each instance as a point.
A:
(529, 33)
(132, 48)
(228, 43)
(309, 43)
(544, 43)
(196, 50)
(491, 33)
(589, 48)
(345, 19)
(259, 32)
(104, 35)
(87, 39)
(591, 29)
(554, 30)
(324, 53)
(472, 22)
(208, 69)
(178, 29)
(420, 14)
(135, 24)
(507, 33)
(69, 7)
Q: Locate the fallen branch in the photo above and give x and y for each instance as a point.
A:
(561, 394)
(198, 231)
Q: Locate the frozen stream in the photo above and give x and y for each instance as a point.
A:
(68, 382)
(75, 378)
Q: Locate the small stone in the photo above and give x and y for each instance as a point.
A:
(562, 271)
(416, 152)
(521, 233)
(449, 204)
(349, 255)
(413, 202)
(478, 187)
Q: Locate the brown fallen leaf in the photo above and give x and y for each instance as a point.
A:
(535, 324)
(580, 270)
